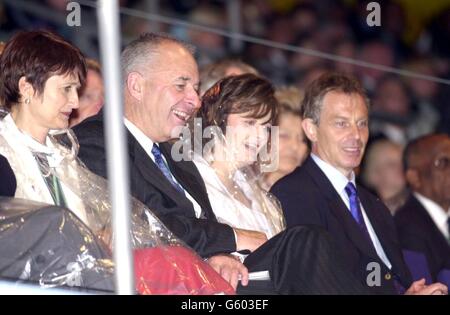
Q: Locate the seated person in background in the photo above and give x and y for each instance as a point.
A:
(293, 147)
(423, 222)
(322, 191)
(39, 88)
(383, 172)
(91, 96)
(215, 71)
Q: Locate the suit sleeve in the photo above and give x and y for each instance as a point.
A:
(92, 147)
(206, 237)
(299, 203)
(410, 236)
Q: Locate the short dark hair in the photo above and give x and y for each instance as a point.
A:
(331, 81)
(245, 93)
(420, 148)
(36, 55)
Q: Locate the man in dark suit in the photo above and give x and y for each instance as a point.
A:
(8, 179)
(160, 89)
(323, 190)
(423, 223)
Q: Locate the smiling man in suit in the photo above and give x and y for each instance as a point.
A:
(323, 191)
(423, 222)
(161, 84)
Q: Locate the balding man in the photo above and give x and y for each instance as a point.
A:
(423, 222)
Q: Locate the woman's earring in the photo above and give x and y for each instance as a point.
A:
(27, 101)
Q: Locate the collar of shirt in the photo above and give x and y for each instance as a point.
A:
(147, 144)
(53, 155)
(337, 179)
(436, 212)
(141, 138)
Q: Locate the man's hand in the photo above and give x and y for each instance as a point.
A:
(420, 288)
(230, 268)
(251, 240)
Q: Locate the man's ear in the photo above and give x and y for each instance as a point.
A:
(310, 129)
(26, 90)
(135, 85)
(413, 178)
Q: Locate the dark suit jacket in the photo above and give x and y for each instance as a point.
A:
(308, 197)
(206, 236)
(418, 232)
(8, 183)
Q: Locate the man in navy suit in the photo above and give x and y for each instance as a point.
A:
(423, 222)
(323, 191)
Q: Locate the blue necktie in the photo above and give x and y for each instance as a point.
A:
(164, 168)
(355, 208)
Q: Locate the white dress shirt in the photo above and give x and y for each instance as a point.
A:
(30, 181)
(436, 212)
(260, 216)
(147, 144)
(339, 181)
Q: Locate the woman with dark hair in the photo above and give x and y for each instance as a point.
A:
(40, 75)
(91, 96)
(239, 111)
(39, 90)
(293, 146)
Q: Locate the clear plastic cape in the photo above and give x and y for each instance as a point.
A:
(233, 186)
(155, 247)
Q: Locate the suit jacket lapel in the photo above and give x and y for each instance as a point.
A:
(426, 219)
(384, 235)
(339, 209)
(150, 171)
(188, 176)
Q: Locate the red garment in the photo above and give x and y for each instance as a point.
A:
(176, 270)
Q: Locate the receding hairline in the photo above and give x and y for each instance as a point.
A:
(414, 157)
(144, 51)
(150, 55)
(339, 92)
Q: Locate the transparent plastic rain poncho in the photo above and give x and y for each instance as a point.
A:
(233, 179)
(163, 264)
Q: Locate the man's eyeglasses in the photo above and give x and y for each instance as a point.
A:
(442, 163)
